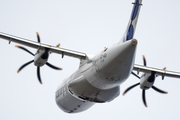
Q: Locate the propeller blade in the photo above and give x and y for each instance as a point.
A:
(163, 74)
(52, 66)
(129, 88)
(135, 75)
(158, 90)
(38, 37)
(38, 74)
(24, 49)
(143, 97)
(24, 65)
(164, 68)
(58, 45)
(144, 60)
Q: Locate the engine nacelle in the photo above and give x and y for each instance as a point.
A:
(41, 57)
(147, 80)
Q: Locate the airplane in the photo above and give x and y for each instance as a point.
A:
(99, 77)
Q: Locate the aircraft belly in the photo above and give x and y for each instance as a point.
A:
(97, 81)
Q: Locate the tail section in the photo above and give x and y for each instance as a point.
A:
(129, 33)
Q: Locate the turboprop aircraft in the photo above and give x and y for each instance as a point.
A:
(99, 77)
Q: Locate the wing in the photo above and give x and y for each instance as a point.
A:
(38, 45)
(161, 72)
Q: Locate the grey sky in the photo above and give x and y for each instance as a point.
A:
(87, 26)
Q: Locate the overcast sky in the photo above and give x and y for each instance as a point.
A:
(87, 26)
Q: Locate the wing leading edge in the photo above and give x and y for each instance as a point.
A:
(160, 72)
(37, 45)
(80, 55)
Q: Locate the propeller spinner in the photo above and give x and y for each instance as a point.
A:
(40, 58)
(146, 82)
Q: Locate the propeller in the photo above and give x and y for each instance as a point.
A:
(38, 67)
(151, 78)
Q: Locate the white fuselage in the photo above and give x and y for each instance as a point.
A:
(98, 79)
